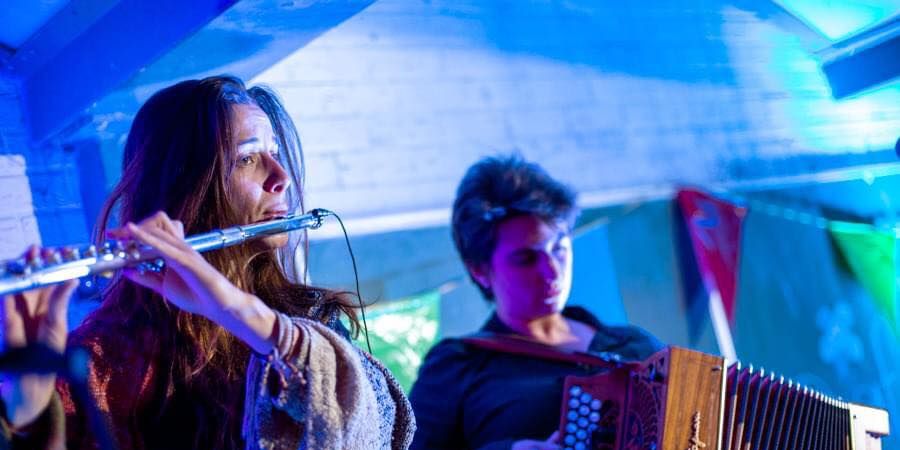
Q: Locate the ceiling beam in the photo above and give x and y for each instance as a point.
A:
(244, 41)
(65, 70)
(864, 60)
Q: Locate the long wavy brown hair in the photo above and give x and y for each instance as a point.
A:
(178, 157)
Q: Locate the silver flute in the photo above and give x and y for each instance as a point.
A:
(55, 266)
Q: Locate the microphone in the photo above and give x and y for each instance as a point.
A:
(320, 212)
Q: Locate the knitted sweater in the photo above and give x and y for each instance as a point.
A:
(315, 390)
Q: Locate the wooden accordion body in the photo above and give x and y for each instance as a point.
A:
(680, 399)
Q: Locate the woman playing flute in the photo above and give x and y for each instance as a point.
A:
(224, 350)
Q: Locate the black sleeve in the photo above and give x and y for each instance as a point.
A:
(636, 343)
(437, 397)
(650, 342)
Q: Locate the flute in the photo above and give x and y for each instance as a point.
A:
(23, 274)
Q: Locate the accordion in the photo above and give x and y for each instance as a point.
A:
(680, 399)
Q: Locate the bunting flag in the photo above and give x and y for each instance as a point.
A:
(695, 297)
(715, 230)
(401, 333)
(871, 254)
(714, 227)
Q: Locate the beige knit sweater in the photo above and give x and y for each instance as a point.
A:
(315, 391)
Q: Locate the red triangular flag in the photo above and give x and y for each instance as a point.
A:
(715, 230)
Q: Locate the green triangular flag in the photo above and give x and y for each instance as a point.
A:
(871, 255)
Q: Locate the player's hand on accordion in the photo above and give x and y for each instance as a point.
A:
(552, 443)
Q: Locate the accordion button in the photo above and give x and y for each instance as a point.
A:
(573, 402)
(572, 415)
(580, 446)
(570, 439)
(582, 422)
(584, 410)
(596, 404)
(585, 397)
(594, 417)
(581, 434)
(575, 390)
(571, 427)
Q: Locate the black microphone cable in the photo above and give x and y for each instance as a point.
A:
(320, 212)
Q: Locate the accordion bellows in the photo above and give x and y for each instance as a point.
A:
(680, 399)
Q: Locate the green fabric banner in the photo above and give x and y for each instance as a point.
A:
(871, 254)
(401, 333)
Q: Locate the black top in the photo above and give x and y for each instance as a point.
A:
(467, 397)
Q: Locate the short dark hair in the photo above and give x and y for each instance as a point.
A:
(498, 188)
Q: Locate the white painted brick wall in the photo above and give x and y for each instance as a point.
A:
(397, 101)
(38, 185)
(18, 225)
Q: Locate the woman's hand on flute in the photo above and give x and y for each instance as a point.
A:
(192, 284)
(38, 316)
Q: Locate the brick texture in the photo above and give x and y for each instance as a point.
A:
(39, 185)
(397, 101)
(17, 219)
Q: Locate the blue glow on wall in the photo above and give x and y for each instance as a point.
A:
(815, 120)
(838, 19)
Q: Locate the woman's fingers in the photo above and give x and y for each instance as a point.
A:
(162, 221)
(32, 252)
(148, 279)
(189, 282)
(166, 244)
(58, 303)
(158, 224)
(54, 325)
(174, 227)
(37, 314)
(13, 322)
(30, 308)
(161, 226)
(17, 308)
